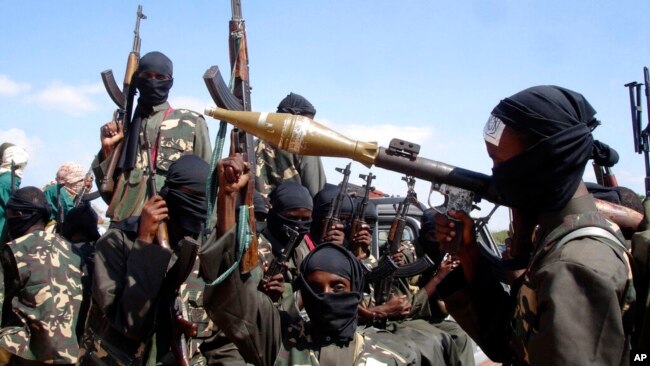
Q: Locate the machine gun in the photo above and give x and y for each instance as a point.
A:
(334, 214)
(124, 100)
(641, 135)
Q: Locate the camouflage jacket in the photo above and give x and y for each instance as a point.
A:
(175, 132)
(44, 295)
(266, 335)
(273, 166)
(266, 256)
(568, 307)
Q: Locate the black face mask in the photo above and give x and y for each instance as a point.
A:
(536, 181)
(153, 92)
(276, 221)
(17, 226)
(332, 314)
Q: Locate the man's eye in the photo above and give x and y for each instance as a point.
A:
(339, 287)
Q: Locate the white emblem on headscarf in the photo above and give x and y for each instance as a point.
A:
(493, 130)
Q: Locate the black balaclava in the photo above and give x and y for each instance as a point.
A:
(30, 201)
(184, 192)
(296, 104)
(332, 315)
(546, 175)
(426, 246)
(322, 203)
(152, 93)
(287, 196)
(83, 220)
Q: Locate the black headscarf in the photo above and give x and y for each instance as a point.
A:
(333, 315)
(83, 220)
(287, 196)
(152, 93)
(322, 203)
(547, 174)
(30, 201)
(184, 192)
(296, 104)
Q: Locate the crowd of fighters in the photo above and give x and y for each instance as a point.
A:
(131, 296)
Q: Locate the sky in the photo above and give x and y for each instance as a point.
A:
(424, 71)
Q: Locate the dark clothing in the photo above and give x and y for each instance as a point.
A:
(567, 309)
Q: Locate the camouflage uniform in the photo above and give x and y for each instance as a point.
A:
(274, 166)
(568, 308)
(181, 132)
(266, 255)
(266, 335)
(42, 300)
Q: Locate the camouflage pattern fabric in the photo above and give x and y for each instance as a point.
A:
(181, 132)
(47, 299)
(191, 293)
(274, 166)
(525, 321)
(266, 257)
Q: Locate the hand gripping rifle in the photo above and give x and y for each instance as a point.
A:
(124, 101)
(278, 263)
(237, 98)
(334, 214)
(358, 219)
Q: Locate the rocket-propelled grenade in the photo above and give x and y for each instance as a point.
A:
(302, 135)
(298, 134)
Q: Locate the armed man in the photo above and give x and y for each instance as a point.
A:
(71, 181)
(133, 318)
(42, 294)
(171, 133)
(571, 306)
(275, 165)
(331, 283)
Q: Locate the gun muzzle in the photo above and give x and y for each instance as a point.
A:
(298, 134)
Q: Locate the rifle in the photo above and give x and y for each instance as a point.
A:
(162, 236)
(641, 136)
(13, 176)
(334, 213)
(238, 99)
(277, 265)
(358, 219)
(124, 101)
(79, 198)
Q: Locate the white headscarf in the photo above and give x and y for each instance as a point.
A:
(16, 154)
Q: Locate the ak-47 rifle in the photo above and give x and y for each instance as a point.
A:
(384, 285)
(641, 135)
(124, 101)
(84, 190)
(358, 219)
(238, 98)
(334, 214)
(278, 263)
(162, 236)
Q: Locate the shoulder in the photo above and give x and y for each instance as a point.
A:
(186, 115)
(112, 240)
(594, 254)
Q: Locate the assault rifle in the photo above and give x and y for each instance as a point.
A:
(124, 101)
(641, 135)
(387, 267)
(334, 214)
(358, 219)
(82, 195)
(278, 263)
(237, 98)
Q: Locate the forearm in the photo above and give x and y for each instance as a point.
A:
(226, 212)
